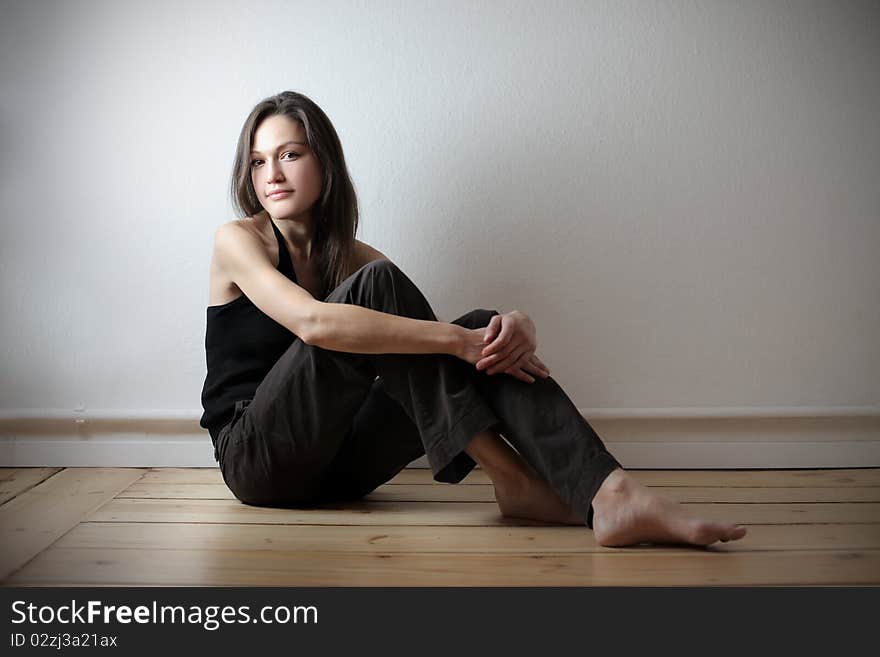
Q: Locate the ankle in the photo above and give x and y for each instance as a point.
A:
(616, 485)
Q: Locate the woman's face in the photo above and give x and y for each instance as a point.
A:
(282, 160)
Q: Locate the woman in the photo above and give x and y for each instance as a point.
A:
(328, 372)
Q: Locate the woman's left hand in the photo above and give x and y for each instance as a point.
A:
(512, 343)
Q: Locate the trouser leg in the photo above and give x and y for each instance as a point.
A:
(538, 419)
(382, 440)
(546, 428)
(284, 440)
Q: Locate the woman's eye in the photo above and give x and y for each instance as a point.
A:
(295, 155)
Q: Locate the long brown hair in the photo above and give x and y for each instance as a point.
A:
(336, 214)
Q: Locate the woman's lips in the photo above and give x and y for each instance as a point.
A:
(278, 195)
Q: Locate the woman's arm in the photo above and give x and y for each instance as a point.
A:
(359, 330)
(334, 326)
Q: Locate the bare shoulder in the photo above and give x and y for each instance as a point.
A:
(239, 227)
(237, 242)
(233, 232)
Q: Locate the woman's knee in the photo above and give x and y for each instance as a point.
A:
(364, 276)
(370, 274)
(380, 266)
(477, 318)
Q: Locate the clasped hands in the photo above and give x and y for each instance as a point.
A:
(507, 344)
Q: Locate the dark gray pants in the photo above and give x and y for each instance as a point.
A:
(323, 428)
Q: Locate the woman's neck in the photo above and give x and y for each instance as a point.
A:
(299, 234)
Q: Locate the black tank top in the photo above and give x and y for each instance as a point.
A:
(241, 345)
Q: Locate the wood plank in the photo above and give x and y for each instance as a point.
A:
(727, 478)
(183, 476)
(446, 513)
(141, 567)
(33, 520)
(684, 494)
(759, 478)
(486, 493)
(14, 481)
(769, 494)
(393, 539)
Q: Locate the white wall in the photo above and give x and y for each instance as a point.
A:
(684, 196)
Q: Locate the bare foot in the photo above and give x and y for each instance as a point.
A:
(626, 513)
(531, 497)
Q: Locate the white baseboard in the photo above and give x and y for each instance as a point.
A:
(196, 453)
(638, 441)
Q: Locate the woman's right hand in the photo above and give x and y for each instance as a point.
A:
(471, 350)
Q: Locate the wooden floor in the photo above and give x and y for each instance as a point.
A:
(182, 527)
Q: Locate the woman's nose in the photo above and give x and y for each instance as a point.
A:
(274, 171)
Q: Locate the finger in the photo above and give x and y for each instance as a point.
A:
(507, 362)
(531, 368)
(508, 349)
(503, 338)
(518, 373)
(488, 361)
(538, 367)
(501, 361)
(492, 329)
(540, 363)
(529, 365)
(499, 343)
